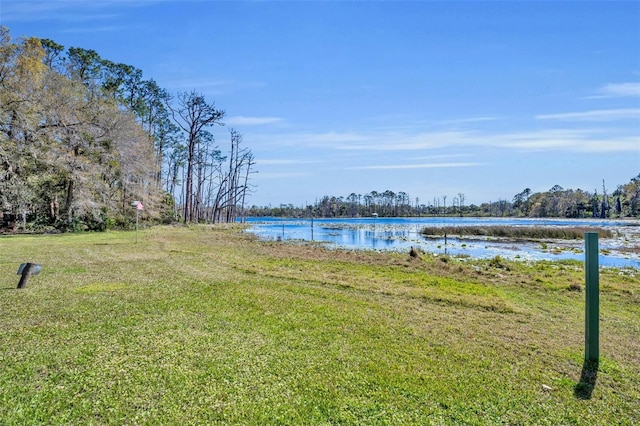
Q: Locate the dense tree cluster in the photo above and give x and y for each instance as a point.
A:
(569, 203)
(557, 202)
(82, 138)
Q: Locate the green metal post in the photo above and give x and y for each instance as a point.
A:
(592, 307)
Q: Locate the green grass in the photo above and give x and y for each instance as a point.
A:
(206, 325)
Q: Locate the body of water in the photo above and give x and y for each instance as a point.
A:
(401, 233)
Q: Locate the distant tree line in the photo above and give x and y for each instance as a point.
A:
(82, 138)
(557, 202)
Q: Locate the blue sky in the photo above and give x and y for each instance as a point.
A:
(430, 98)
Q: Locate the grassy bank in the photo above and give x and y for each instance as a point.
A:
(206, 325)
(517, 232)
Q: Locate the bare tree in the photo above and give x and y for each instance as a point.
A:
(245, 187)
(461, 198)
(234, 183)
(193, 115)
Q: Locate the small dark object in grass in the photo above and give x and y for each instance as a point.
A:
(413, 252)
(575, 287)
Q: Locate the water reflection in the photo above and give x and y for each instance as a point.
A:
(402, 233)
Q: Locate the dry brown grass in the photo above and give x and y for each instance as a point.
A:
(518, 232)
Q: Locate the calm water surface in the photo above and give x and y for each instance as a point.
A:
(402, 233)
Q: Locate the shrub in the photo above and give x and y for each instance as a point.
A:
(498, 262)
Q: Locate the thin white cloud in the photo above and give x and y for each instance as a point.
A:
(281, 175)
(595, 115)
(568, 140)
(284, 162)
(94, 29)
(415, 166)
(33, 10)
(66, 11)
(208, 86)
(240, 120)
(571, 141)
(620, 90)
(410, 123)
(441, 156)
(334, 139)
(199, 85)
(374, 141)
(469, 120)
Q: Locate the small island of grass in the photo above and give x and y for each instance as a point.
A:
(516, 232)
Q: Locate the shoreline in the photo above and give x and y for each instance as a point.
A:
(399, 234)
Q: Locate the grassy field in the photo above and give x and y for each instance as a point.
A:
(206, 325)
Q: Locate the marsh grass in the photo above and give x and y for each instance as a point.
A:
(517, 232)
(207, 325)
